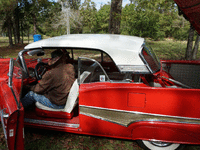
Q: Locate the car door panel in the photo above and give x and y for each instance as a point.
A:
(12, 112)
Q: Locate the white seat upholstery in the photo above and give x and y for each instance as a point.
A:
(72, 99)
(154, 84)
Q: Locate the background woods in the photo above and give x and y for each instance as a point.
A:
(154, 19)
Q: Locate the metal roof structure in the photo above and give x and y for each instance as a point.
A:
(124, 50)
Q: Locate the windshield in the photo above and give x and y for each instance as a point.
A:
(150, 58)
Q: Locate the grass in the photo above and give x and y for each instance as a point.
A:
(36, 139)
(169, 49)
(11, 52)
(51, 140)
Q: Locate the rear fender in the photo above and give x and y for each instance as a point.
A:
(172, 133)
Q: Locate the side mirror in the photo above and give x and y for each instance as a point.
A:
(38, 52)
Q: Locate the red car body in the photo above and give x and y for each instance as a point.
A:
(162, 105)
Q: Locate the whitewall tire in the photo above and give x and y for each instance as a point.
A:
(156, 145)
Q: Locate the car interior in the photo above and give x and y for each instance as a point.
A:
(94, 66)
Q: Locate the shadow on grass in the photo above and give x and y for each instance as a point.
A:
(51, 140)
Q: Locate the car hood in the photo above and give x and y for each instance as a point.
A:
(191, 11)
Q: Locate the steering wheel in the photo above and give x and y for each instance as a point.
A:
(40, 69)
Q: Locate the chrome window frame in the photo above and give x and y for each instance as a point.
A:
(144, 60)
(93, 60)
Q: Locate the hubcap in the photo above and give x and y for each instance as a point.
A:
(160, 144)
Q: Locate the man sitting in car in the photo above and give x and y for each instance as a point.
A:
(53, 88)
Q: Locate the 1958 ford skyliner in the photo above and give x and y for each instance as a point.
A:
(121, 90)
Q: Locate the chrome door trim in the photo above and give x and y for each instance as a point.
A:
(51, 123)
(125, 118)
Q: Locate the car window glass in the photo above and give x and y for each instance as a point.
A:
(94, 54)
(92, 70)
(86, 53)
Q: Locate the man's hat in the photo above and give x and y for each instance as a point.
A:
(55, 57)
(56, 53)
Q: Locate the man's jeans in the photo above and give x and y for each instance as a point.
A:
(32, 97)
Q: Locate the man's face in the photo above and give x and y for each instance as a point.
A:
(53, 60)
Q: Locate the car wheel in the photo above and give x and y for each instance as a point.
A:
(157, 145)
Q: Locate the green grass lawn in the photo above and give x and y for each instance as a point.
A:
(169, 49)
(36, 139)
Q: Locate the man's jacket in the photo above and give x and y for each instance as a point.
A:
(56, 83)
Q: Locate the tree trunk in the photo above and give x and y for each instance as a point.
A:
(34, 24)
(28, 34)
(115, 17)
(10, 31)
(15, 32)
(22, 33)
(16, 26)
(196, 46)
(188, 54)
(18, 30)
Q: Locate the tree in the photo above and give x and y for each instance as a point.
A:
(68, 18)
(88, 13)
(6, 10)
(16, 26)
(131, 1)
(102, 19)
(74, 4)
(115, 16)
(36, 10)
(147, 18)
(191, 51)
(141, 20)
(19, 15)
(128, 20)
(51, 17)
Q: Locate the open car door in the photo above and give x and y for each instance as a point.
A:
(191, 11)
(11, 110)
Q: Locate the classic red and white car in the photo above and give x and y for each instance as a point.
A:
(122, 91)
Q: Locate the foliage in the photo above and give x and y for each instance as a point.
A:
(149, 19)
(102, 19)
(180, 33)
(156, 19)
(20, 16)
(88, 12)
(74, 4)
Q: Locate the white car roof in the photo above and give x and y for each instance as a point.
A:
(124, 50)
